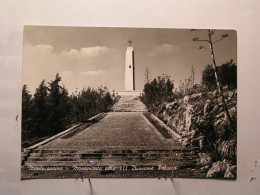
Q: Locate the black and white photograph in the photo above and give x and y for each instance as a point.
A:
(110, 102)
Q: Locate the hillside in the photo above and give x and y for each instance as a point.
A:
(202, 124)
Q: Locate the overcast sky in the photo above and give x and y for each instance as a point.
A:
(87, 56)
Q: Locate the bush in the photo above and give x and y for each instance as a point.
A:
(158, 91)
(227, 75)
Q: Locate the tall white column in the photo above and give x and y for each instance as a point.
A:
(129, 69)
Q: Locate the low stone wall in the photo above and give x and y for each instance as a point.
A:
(71, 129)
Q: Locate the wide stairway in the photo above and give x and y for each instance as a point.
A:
(129, 103)
(124, 137)
(115, 157)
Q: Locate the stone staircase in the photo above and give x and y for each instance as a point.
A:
(100, 155)
(115, 157)
(129, 104)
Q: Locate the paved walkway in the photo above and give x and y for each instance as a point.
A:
(122, 129)
(118, 130)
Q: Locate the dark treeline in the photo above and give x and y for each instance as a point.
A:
(160, 89)
(51, 109)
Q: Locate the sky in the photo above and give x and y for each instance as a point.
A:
(95, 56)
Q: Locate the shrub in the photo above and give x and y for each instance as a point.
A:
(158, 91)
(227, 75)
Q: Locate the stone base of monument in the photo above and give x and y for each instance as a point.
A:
(128, 93)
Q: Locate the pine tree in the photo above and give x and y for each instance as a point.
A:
(65, 107)
(54, 104)
(40, 107)
(26, 113)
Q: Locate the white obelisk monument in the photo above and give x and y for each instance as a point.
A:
(129, 68)
(129, 89)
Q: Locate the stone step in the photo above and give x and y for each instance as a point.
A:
(86, 158)
(34, 159)
(110, 163)
(55, 154)
(115, 151)
(54, 151)
(107, 155)
(127, 110)
(129, 104)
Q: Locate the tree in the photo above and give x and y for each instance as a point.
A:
(91, 102)
(169, 88)
(26, 113)
(51, 109)
(107, 102)
(40, 108)
(147, 75)
(187, 87)
(65, 107)
(158, 91)
(227, 75)
(211, 43)
(55, 105)
(208, 78)
(193, 71)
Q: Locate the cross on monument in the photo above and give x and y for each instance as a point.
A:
(130, 42)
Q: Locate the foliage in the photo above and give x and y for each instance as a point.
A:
(188, 86)
(185, 87)
(158, 91)
(26, 110)
(201, 121)
(52, 109)
(147, 75)
(227, 74)
(40, 109)
(90, 102)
